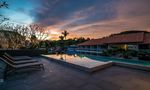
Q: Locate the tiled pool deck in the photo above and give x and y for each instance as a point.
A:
(60, 77)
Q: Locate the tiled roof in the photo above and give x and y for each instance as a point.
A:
(123, 38)
(126, 38)
(93, 42)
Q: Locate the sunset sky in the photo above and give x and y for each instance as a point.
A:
(86, 18)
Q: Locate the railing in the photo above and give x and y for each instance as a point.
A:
(28, 52)
(90, 50)
(145, 50)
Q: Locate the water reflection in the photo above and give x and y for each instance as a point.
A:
(62, 56)
(70, 57)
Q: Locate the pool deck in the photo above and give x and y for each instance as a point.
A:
(60, 77)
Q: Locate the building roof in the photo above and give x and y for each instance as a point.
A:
(140, 38)
(93, 42)
(126, 38)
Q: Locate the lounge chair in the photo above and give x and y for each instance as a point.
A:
(19, 61)
(18, 57)
(13, 67)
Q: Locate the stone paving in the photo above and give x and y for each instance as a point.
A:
(60, 77)
(2, 68)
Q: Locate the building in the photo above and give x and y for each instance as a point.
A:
(4, 42)
(139, 40)
(10, 40)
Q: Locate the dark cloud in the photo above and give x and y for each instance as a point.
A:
(63, 9)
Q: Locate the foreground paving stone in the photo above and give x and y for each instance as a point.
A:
(60, 77)
(90, 87)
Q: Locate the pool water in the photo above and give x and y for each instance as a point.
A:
(106, 59)
(79, 61)
(83, 57)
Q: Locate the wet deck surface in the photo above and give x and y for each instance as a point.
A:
(60, 77)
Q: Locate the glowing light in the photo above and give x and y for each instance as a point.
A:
(54, 32)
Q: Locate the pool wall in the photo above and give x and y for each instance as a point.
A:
(134, 66)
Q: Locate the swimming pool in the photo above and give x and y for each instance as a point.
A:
(76, 61)
(92, 63)
(84, 57)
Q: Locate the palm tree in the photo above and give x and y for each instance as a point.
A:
(61, 38)
(62, 41)
(65, 33)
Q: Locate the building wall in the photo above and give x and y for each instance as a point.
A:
(99, 48)
(3, 41)
(133, 47)
(11, 40)
(92, 48)
(124, 46)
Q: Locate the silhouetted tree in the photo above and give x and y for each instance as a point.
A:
(3, 4)
(38, 31)
(65, 33)
(61, 38)
(3, 18)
